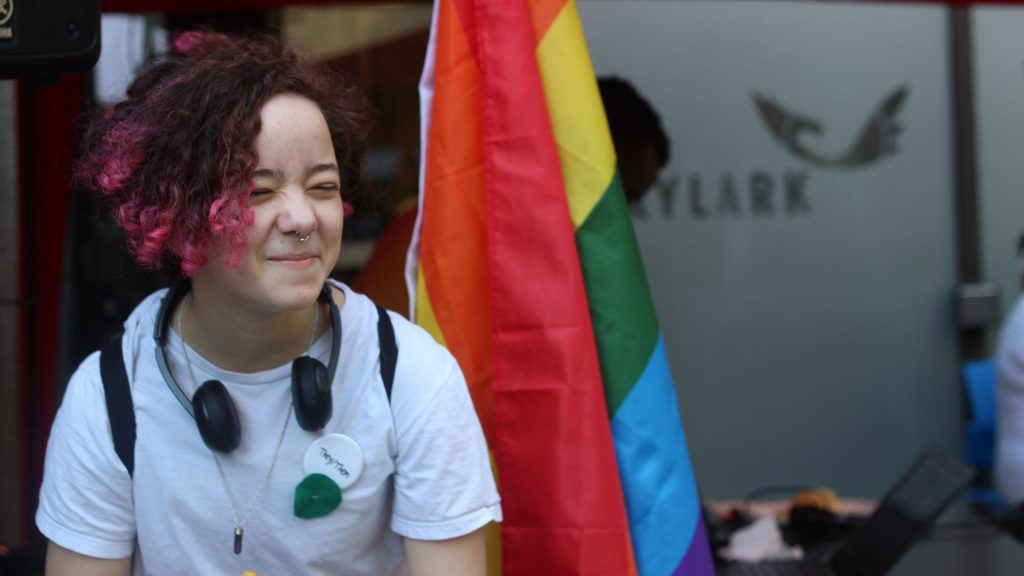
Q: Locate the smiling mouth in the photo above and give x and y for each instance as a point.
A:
(295, 261)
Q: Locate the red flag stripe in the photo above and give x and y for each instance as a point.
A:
(565, 512)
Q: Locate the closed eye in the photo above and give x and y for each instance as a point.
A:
(327, 187)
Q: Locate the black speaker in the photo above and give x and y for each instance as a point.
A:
(47, 39)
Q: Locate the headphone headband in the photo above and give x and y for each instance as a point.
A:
(163, 321)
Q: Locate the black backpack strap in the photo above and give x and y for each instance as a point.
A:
(120, 408)
(388, 349)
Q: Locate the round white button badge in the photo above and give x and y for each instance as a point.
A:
(336, 456)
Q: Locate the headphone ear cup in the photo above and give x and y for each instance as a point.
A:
(216, 417)
(311, 393)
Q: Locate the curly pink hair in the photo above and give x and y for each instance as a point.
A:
(175, 159)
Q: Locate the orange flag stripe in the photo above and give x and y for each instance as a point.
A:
(454, 213)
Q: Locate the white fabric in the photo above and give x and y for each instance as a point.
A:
(426, 90)
(1009, 462)
(124, 50)
(426, 476)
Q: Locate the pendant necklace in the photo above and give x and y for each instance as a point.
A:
(239, 530)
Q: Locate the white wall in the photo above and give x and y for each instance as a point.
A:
(999, 99)
(815, 343)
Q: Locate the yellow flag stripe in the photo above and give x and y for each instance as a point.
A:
(577, 114)
(425, 311)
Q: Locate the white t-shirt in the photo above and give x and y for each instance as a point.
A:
(1009, 461)
(426, 473)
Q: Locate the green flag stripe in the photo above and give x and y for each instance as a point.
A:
(625, 325)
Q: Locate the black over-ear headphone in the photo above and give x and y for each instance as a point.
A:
(211, 405)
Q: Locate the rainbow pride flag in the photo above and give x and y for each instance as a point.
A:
(524, 264)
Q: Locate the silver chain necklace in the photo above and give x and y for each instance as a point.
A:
(240, 525)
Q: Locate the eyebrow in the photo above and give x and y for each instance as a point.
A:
(325, 167)
(277, 174)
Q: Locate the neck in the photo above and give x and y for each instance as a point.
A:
(239, 338)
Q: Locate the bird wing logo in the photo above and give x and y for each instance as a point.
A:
(6, 11)
(877, 138)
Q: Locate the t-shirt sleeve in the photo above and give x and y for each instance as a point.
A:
(444, 487)
(85, 503)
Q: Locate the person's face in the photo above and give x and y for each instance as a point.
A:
(296, 191)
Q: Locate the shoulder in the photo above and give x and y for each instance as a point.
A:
(1014, 323)
(145, 314)
(430, 397)
(1011, 334)
(85, 385)
(84, 397)
(421, 345)
(139, 326)
(1010, 350)
(424, 370)
(82, 414)
(425, 367)
(415, 345)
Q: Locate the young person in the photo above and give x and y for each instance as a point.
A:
(228, 162)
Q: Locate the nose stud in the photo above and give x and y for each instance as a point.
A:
(302, 239)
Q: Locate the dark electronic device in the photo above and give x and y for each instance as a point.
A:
(904, 514)
(47, 39)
